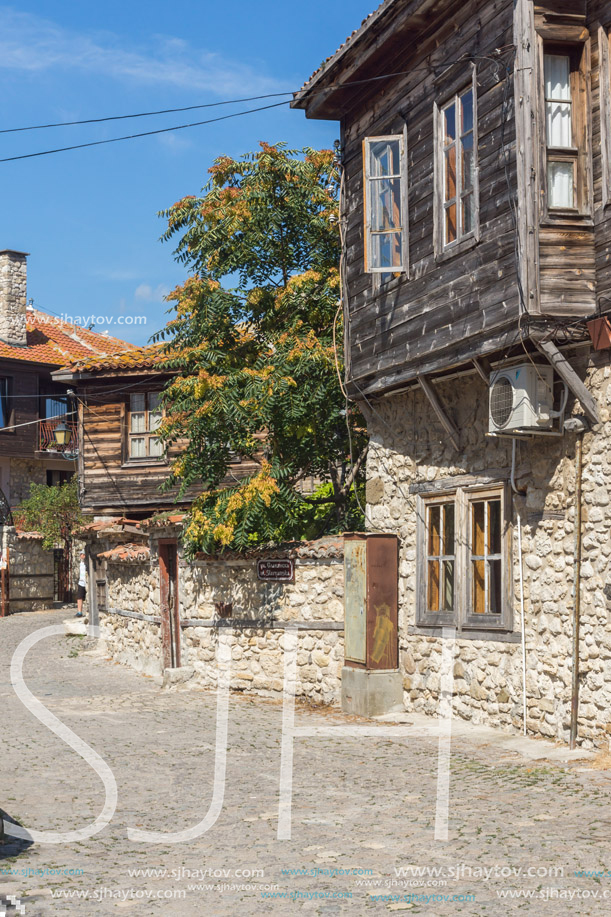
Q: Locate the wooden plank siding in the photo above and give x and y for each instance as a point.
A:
(554, 265)
(110, 483)
(420, 317)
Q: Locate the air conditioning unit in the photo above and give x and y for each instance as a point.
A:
(521, 398)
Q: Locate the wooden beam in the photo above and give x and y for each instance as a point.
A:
(446, 422)
(568, 375)
(483, 368)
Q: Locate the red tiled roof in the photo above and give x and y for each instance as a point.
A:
(53, 341)
(133, 358)
(345, 45)
(128, 553)
(104, 525)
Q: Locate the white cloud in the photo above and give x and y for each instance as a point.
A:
(146, 293)
(32, 43)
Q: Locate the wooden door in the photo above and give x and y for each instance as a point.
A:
(170, 616)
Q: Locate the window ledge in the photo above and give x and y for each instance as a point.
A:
(458, 248)
(501, 636)
(567, 218)
(145, 463)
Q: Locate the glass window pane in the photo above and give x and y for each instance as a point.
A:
(448, 529)
(560, 184)
(137, 402)
(387, 250)
(494, 527)
(468, 213)
(479, 587)
(384, 158)
(494, 587)
(450, 174)
(154, 400)
(557, 77)
(138, 424)
(477, 534)
(559, 128)
(467, 162)
(137, 447)
(447, 586)
(155, 447)
(449, 123)
(433, 586)
(434, 530)
(386, 204)
(450, 224)
(466, 100)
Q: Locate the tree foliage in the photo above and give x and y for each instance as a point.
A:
(54, 512)
(252, 348)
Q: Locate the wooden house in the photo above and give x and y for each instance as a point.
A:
(122, 464)
(475, 150)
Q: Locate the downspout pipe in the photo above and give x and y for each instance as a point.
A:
(523, 620)
(577, 588)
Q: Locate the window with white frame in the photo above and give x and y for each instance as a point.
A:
(566, 136)
(144, 419)
(385, 204)
(456, 182)
(464, 560)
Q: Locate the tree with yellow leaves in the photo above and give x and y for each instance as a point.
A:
(256, 345)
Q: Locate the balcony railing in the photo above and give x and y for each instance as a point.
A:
(46, 436)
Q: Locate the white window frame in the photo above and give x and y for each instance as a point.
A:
(147, 434)
(368, 198)
(464, 240)
(463, 617)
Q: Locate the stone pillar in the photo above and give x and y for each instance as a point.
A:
(13, 292)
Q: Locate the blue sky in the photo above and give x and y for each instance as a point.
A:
(88, 217)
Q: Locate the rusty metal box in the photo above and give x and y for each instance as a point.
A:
(371, 571)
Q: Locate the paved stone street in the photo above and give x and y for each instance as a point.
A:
(363, 808)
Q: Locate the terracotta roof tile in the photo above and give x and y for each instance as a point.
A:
(53, 341)
(133, 358)
(128, 554)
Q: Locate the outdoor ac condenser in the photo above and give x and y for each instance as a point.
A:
(521, 398)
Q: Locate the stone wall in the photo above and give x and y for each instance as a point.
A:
(23, 473)
(30, 571)
(410, 450)
(313, 605)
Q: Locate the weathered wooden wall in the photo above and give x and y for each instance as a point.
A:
(443, 311)
(599, 24)
(110, 484)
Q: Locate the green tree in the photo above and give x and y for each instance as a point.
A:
(56, 514)
(252, 345)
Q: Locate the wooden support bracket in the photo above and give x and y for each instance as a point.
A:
(482, 365)
(568, 375)
(446, 422)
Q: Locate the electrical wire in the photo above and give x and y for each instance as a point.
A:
(161, 130)
(306, 93)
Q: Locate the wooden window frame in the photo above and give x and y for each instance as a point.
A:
(579, 153)
(463, 617)
(403, 269)
(464, 241)
(604, 83)
(147, 434)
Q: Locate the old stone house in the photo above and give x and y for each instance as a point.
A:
(475, 143)
(32, 405)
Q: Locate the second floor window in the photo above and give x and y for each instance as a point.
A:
(457, 168)
(385, 204)
(5, 410)
(145, 415)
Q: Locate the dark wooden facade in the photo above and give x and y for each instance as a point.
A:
(527, 266)
(110, 483)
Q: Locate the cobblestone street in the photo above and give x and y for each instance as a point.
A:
(363, 814)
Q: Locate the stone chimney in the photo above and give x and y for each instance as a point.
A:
(13, 292)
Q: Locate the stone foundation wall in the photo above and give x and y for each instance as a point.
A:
(23, 473)
(313, 604)
(410, 450)
(31, 574)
